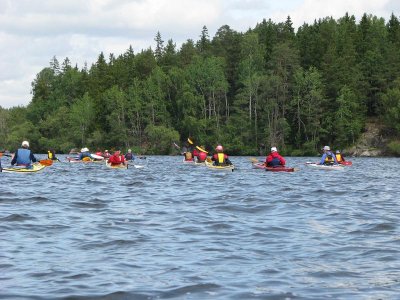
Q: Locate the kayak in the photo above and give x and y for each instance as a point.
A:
(35, 167)
(75, 160)
(325, 167)
(220, 168)
(188, 161)
(258, 165)
(119, 166)
(271, 169)
(279, 169)
(346, 163)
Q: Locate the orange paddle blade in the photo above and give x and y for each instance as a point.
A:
(46, 162)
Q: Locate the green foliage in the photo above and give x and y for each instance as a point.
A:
(394, 147)
(269, 86)
(160, 139)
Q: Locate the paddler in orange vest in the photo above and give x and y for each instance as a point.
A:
(220, 158)
(339, 157)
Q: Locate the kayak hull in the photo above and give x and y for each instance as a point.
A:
(346, 163)
(211, 166)
(119, 166)
(36, 167)
(74, 160)
(325, 167)
(279, 169)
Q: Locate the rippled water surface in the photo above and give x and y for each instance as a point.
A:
(170, 230)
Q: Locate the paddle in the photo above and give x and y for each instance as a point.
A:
(46, 162)
(255, 160)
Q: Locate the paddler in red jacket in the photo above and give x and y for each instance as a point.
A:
(201, 154)
(220, 158)
(117, 158)
(274, 159)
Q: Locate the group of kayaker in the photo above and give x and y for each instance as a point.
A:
(199, 154)
(24, 156)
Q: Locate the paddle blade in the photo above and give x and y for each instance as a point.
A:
(209, 159)
(254, 160)
(201, 149)
(190, 141)
(46, 162)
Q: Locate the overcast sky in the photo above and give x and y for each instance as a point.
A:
(33, 31)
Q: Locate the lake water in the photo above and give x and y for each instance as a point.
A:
(173, 231)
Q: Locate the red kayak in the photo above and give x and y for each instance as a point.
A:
(279, 169)
(346, 163)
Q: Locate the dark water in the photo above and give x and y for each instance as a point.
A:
(172, 231)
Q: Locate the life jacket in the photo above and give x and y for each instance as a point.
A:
(339, 157)
(275, 162)
(188, 156)
(23, 157)
(202, 156)
(49, 155)
(84, 154)
(129, 156)
(329, 160)
(221, 159)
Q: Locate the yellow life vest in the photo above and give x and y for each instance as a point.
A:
(188, 156)
(339, 157)
(329, 159)
(49, 155)
(221, 158)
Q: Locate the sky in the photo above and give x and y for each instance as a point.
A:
(32, 32)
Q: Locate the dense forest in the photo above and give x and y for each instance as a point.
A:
(272, 85)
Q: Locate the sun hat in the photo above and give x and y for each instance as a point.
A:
(25, 144)
(327, 148)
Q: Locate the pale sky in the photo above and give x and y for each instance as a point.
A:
(33, 31)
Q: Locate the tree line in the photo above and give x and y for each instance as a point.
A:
(270, 85)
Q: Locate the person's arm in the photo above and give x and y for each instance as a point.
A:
(282, 160)
(32, 157)
(14, 159)
(322, 159)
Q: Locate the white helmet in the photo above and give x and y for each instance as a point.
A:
(327, 148)
(273, 149)
(85, 150)
(25, 144)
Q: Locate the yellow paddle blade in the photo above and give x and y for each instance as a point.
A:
(201, 149)
(209, 159)
(46, 162)
(190, 141)
(253, 160)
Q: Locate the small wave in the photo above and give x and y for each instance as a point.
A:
(17, 218)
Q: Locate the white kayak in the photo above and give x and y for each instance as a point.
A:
(325, 167)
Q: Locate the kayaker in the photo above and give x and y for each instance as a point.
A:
(51, 154)
(106, 154)
(23, 156)
(129, 155)
(117, 158)
(328, 158)
(187, 152)
(85, 154)
(274, 159)
(339, 157)
(220, 158)
(201, 154)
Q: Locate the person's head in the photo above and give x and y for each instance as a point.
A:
(219, 148)
(25, 144)
(85, 149)
(106, 151)
(273, 149)
(326, 148)
(337, 151)
(117, 152)
(202, 149)
(129, 151)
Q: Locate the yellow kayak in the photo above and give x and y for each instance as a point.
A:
(120, 166)
(35, 167)
(210, 165)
